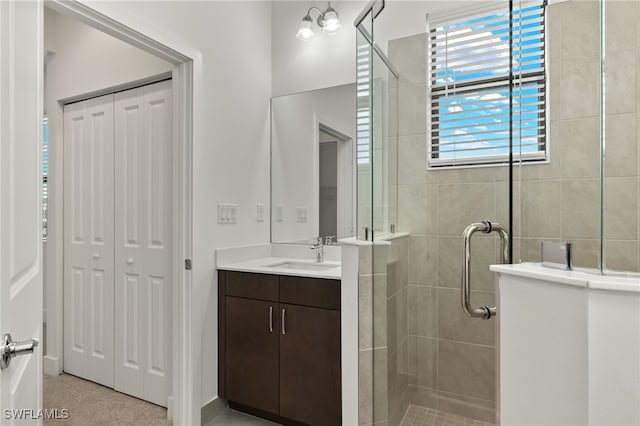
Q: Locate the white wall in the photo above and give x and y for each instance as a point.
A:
(330, 60)
(230, 44)
(81, 60)
(295, 159)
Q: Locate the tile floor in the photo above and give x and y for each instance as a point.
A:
(420, 416)
(231, 417)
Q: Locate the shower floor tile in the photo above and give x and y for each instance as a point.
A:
(420, 416)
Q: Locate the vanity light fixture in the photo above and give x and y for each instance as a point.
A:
(327, 20)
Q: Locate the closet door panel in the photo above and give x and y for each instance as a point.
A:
(143, 228)
(88, 239)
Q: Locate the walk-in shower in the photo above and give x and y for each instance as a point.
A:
(520, 113)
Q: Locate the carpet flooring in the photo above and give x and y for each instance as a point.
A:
(92, 404)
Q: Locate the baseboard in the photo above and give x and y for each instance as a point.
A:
(211, 410)
(52, 365)
(170, 408)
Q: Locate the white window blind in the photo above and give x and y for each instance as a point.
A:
(469, 89)
(363, 105)
(45, 177)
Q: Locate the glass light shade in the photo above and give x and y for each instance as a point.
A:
(305, 32)
(331, 22)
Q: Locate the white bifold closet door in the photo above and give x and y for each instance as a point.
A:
(118, 231)
(88, 239)
(143, 158)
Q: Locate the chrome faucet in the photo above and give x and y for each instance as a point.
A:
(319, 248)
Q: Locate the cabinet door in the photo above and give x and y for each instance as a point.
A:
(252, 348)
(310, 384)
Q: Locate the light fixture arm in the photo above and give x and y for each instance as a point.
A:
(327, 20)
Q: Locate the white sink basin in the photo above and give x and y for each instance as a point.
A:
(304, 266)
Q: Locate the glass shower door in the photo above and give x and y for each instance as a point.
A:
(421, 357)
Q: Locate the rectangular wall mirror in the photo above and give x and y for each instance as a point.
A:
(313, 136)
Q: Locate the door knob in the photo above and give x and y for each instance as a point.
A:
(96, 256)
(11, 349)
(130, 261)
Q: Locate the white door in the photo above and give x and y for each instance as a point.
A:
(88, 240)
(20, 188)
(143, 204)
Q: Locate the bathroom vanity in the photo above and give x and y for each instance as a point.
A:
(279, 340)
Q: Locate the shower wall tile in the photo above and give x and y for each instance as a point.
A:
(467, 175)
(373, 404)
(579, 93)
(580, 23)
(397, 320)
(502, 207)
(540, 215)
(621, 146)
(397, 265)
(409, 56)
(412, 161)
(412, 115)
(554, 69)
(530, 248)
(424, 397)
(554, 33)
(621, 255)
(420, 208)
(620, 84)
(467, 369)
(621, 24)
(580, 147)
(468, 407)
(423, 261)
(423, 366)
(554, 168)
(458, 199)
(585, 253)
(398, 384)
(423, 311)
(580, 209)
(454, 324)
(620, 208)
(365, 312)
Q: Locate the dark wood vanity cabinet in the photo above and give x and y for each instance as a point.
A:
(279, 346)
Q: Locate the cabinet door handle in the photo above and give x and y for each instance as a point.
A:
(284, 329)
(270, 319)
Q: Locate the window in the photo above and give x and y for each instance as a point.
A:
(45, 176)
(469, 89)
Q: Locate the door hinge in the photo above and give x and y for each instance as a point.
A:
(187, 264)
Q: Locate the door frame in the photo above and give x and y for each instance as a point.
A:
(184, 403)
(346, 175)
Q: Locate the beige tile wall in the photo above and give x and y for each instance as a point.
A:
(451, 358)
(383, 332)
(416, 344)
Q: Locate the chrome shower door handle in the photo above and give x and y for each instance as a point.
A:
(484, 312)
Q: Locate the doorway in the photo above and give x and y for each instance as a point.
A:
(158, 62)
(335, 178)
(117, 240)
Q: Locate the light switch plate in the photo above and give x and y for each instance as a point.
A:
(260, 212)
(301, 214)
(279, 212)
(227, 213)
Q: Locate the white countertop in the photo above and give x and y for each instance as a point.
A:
(265, 265)
(577, 277)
